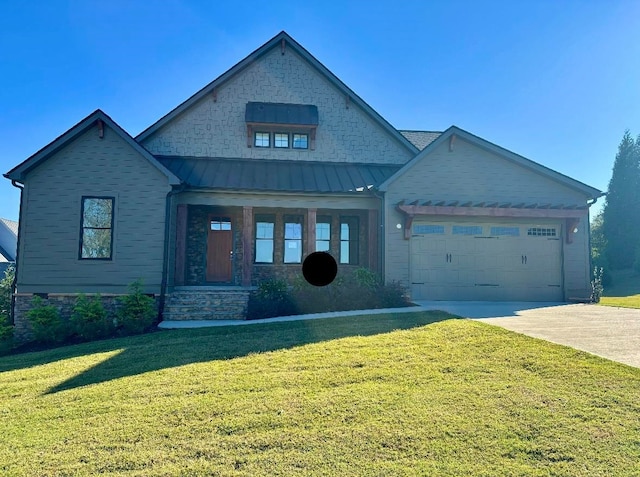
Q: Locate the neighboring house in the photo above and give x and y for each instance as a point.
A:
(275, 159)
(8, 244)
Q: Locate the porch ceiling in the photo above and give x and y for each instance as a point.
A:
(274, 175)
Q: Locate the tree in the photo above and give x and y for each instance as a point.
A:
(621, 214)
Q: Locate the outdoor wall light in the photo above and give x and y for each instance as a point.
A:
(398, 226)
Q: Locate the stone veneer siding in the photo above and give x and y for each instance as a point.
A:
(207, 304)
(64, 304)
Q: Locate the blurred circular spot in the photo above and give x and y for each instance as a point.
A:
(319, 269)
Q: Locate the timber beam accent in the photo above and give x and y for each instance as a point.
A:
(411, 211)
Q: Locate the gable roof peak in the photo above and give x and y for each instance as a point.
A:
(19, 172)
(256, 55)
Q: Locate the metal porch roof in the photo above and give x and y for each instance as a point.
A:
(277, 175)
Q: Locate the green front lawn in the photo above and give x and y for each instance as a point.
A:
(407, 394)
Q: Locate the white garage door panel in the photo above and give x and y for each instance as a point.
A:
(461, 266)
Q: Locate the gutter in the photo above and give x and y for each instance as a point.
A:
(15, 275)
(165, 252)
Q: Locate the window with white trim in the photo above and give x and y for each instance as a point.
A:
(262, 139)
(292, 239)
(265, 226)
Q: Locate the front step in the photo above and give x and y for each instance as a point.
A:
(206, 303)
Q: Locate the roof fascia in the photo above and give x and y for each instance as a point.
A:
(19, 172)
(590, 192)
(253, 57)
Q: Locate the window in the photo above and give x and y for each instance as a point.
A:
(264, 239)
(261, 139)
(466, 230)
(323, 234)
(428, 229)
(281, 140)
(512, 231)
(292, 239)
(541, 232)
(96, 240)
(220, 223)
(349, 240)
(301, 141)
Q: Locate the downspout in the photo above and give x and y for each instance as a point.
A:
(165, 253)
(15, 274)
(590, 202)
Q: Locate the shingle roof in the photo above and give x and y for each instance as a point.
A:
(277, 175)
(11, 225)
(421, 139)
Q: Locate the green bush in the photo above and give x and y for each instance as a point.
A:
(271, 299)
(360, 290)
(48, 327)
(89, 319)
(137, 311)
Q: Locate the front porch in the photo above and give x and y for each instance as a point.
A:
(240, 246)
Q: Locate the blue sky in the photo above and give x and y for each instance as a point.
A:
(557, 82)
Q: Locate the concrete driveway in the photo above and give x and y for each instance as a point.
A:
(613, 333)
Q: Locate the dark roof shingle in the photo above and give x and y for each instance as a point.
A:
(421, 139)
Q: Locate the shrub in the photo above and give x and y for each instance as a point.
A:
(271, 299)
(47, 325)
(89, 319)
(596, 286)
(137, 311)
(362, 290)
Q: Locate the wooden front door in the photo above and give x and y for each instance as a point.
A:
(219, 250)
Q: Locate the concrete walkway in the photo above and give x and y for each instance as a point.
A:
(613, 333)
(610, 332)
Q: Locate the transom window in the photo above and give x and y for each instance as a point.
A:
(292, 239)
(221, 224)
(300, 141)
(261, 139)
(281, 140)
(265, 226)
(323, 234)
(96, 237)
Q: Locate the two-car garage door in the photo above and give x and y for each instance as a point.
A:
(486, 261)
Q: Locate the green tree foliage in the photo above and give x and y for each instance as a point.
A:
(6, 330)
(621, 215)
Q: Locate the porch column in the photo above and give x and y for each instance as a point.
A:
(247, 242)
(181, 244)
(311, 231)
(373, 239)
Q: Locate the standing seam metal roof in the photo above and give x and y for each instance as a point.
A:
(277, 175)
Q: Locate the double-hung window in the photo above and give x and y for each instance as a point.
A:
(323, 234)
(96, 228)
(292, 239)
(349, 240)
(265, 226)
